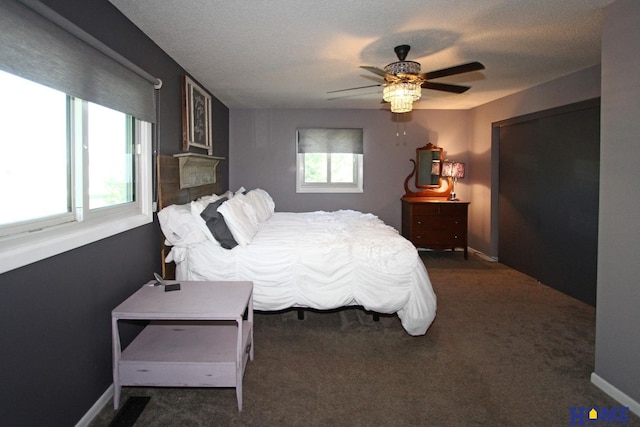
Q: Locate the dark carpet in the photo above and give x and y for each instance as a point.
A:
(504, 350)
(129, 412)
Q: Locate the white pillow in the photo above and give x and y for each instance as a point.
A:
(255, 200)
(203, 202)
(247, 207)
(178, 226)
(240, 190)
(271, 205)
(262, 204)
(237, 215)
(196, 209)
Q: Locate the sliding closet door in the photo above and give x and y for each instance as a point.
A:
(548, 197)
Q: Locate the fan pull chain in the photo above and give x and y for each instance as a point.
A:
(404, 133)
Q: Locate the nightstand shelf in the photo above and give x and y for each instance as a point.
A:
(199, 336)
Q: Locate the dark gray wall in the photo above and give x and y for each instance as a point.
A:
(617, 370)
(55, 314)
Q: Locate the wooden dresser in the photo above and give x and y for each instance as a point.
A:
(435, 223)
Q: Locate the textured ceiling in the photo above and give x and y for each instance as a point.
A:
(290, 53)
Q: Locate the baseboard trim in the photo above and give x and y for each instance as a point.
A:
(96, 408)
(615, 393)
(470, 249)
(483, 255)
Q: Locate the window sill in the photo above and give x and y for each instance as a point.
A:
(18, 251)
(329, 190)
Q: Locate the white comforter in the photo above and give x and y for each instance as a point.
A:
(321, 260)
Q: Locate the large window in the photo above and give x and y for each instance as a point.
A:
(34, 166)
(75, 135)
(110, 148)
(71, 171)
(330, 161)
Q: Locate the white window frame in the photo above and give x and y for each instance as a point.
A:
(21, 249)
(329, 187)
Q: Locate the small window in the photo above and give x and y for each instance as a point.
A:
(330, 161)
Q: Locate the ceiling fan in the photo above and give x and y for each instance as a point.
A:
(403, 80)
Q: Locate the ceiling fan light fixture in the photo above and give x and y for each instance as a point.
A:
(402, 67)
(401, 96)
(403, 81)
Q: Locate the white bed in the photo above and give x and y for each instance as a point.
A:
(319, 260)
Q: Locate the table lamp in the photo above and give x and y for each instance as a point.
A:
(454, 170)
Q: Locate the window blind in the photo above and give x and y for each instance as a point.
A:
(330, 141)
(38, 44)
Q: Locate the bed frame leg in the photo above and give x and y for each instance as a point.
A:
(300, 313)
(376, 317)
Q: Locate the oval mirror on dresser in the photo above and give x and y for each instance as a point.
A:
(429, 219)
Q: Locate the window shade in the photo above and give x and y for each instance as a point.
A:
(330, 141)
(36, 48)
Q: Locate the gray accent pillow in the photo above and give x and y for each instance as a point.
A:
(217, 226)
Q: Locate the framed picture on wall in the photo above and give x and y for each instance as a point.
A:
(196, 117)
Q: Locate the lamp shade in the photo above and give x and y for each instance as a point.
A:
(453, 169)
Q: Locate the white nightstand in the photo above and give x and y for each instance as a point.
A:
(198, 336)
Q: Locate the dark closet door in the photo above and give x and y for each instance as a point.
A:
(548, 197)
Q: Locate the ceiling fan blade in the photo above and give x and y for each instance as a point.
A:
(374, 70)
(445, 87)
(354, 88)
(458, 69)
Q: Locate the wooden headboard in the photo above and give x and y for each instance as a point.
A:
(181, 179)
(170, 189)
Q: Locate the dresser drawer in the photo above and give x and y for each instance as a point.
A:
(439, 209)
(439, 239)
(426, 209)
(453, 209)
(439, 222)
